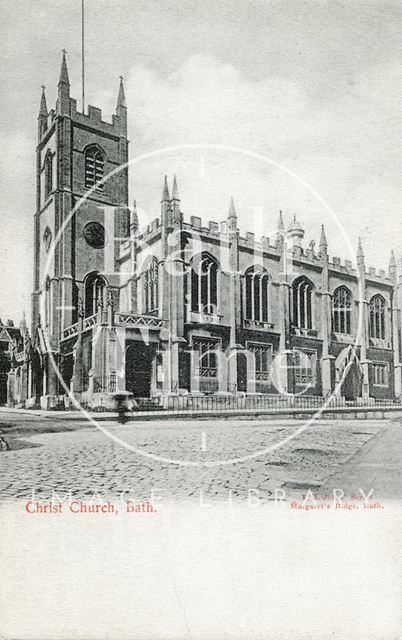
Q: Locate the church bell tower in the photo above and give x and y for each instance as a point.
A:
(78, 184)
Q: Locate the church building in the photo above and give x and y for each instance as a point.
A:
(182, 309)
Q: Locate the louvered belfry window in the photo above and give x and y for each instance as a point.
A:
(94, 168)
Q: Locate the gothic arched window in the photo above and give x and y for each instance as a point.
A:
(48, 174)
(95, 293)
(342, 310)
(204, 285)
(94, 167)
(257, 282)
(377, 317)
(302, 293)
(151, 287)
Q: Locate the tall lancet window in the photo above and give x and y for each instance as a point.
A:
(204, 285)
(94, 167)
(377, 317)
(48, 303)
(342, 310)
(257, 283)
(95, 293)
(302, 293)
(48, 174)
(151, 288)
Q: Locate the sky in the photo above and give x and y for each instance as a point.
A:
(294, 105)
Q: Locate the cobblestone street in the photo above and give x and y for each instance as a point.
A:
(87, 460)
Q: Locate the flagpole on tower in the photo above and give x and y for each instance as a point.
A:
(82, 56)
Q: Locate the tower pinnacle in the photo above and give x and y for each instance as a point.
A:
(165, 192)
(121, 99)
(232, 216)
(175, 191)
(63, 79)
(134, 218)
(232, 210)
(63, 100)
(360, 254)
(43, 105)
(323, 240)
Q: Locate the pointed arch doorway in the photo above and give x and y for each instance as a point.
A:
(349, 373)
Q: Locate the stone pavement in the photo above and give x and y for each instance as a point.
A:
(180, 459)
(377, 465)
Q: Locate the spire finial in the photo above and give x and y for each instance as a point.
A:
(232, 209)
(63, 79)
(360, 254)
(281, 226)
(175, 190)
(165, 192)
(121, 100)
(23, 323)
(323, 240)
(392, 261)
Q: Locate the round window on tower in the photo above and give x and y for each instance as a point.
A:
(95, 235)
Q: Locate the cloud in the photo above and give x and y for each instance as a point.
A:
(345, 148)
(209, 101)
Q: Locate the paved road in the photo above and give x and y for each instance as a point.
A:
(87, 461)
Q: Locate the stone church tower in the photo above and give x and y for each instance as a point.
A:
(75, 151)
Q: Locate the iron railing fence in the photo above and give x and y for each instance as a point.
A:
(227, 404)
(243, 404)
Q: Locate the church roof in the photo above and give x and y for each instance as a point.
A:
(9, 333)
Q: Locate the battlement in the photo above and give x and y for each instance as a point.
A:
(150, 230)
(378, 275)
(213, 228)
(221, 229)
(344, 266)
(304, 255)
(94, 119)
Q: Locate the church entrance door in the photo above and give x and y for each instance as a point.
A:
(139, 357)
(37, 376)
(351, 386)
(349, 373)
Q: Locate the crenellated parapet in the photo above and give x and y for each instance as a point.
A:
(148, 233)
(67, 106)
